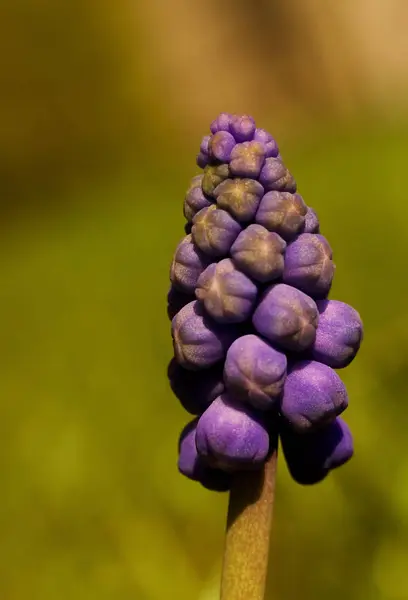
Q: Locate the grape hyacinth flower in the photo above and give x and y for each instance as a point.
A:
(255, 339)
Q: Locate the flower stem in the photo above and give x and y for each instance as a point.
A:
(246, 553)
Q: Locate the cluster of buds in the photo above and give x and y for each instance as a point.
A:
(256, 341)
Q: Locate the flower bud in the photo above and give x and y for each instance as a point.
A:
(283, 213)
(220, 146)
(309, 265)
(192, 466)
(240, 197)
(274, 176)
(221, 123)
(198, 342)
(259, 253)
(203, 158)
(247, 159)
(213, 176)
(242, 127)
(176, 300)
(195, 200)
(269, 143)
(231, 437)
(310, 457)
(313, 395)
(286, 317)
(339, 334)
(228, 295)
(214, 231)
(254, 372)
(311, 224)
(195, 389)
(188, 264)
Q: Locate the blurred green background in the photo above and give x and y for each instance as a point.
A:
(102, 108)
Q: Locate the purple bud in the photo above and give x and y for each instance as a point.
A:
(247, 159)
(228, 295)
(188, 264)
(176, 300)
(231, 437)
(194, 202)
(313, 395)
(254, 372)
(240, 197)
(214, 231)
(242, 127)
(270, 145)
(311, 224)
(288, 317)
(195, 389)
(309, 265)
(275, 176)
(204, 146)
(339, 334)
(310, 457)
(213, 176)
(221, 123)
(221, 145)
(198, 342)
(283, 213)
(202, 160)
(193, 467)
(259, 253)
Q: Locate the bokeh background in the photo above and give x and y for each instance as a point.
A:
(102, 107)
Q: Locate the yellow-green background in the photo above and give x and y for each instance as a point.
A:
(101, 111)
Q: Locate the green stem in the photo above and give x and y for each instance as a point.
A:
(249, 522)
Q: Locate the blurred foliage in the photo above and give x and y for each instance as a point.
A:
(92, 505)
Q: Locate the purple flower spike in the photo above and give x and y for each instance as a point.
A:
(309, 265)
(213, 176)
(228, 295)
(176, 300)
(240, 197)
(242, 128)
(313, 395)
(339, 334)
(195, 389)
(193, 467)
(221, 123)
(287, 317)
(259, 253)
(311, 224)
(311, 457)
(194, 202)
(221, 145)
(270, 145)
(276, 177)
(199, 343)
(255, 372)
(214, 231)
(188, 264)
(283, 213)
(247, 159)
(231, 437)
